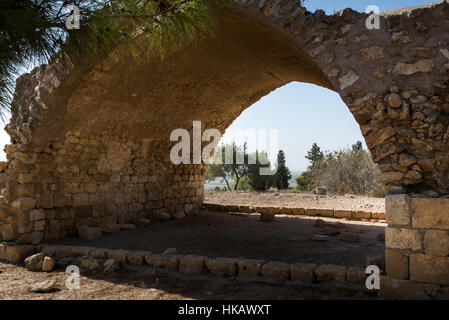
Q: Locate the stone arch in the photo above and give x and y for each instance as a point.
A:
(90, 142)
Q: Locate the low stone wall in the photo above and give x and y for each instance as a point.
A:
(417, 239)
(330, 213)
(91, 259)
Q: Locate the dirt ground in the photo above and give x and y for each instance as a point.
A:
(297, 200)
(146, 283)
(219, 234)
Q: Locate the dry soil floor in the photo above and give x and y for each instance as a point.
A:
(297, 200)
(145, 283)
(219, 234)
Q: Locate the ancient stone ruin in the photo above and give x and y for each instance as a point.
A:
(90, 141)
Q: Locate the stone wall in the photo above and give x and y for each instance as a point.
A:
(90, 139)
(417, 239)
(97, 181)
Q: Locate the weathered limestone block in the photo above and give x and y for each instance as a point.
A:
(404, 239)
(359, 215)
(250, 268)
(325, 213)
(425, 65)
(18, 253)
(428, 268)
(159, 261)
(330, 273)
(223, 267)
(23, 204)
(342, 214)
(118, 255)
(430, 213)
(396, 289)
(356, 275)
(397, 264)
(35, 262)
(2, 251)
(48, 264)
(192, 264)
(136, 257)
(436, 242)
(397, 210)
(8, 232)
(303, 273)
(37, 214)
(275, 271)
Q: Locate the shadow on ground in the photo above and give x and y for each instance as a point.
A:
(288, 239)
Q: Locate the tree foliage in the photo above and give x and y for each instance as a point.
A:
(243, 171)
(282, 175)
(344, 171)
(314, 154)
(258, 181)
(32, 31)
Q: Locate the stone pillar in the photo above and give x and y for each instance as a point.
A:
(417, 243)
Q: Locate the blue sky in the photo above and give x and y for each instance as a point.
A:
(303, 113)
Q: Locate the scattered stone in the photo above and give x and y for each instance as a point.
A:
(320, 237)
(349, 237)
(35, 262)
(111, 228)
(329, 231)
(267, 216)
(111, 265)
(89, 233)
(142, 222)
(320, 191)
(47, 286)
(48, 264)
(170, 251)
(163, 216)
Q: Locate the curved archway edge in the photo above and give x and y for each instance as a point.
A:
(90, 141)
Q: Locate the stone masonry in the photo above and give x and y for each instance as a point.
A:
(90, 139)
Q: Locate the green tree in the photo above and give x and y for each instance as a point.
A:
(282, 174)
(303, 181)
(33, 31)
(315, 154)
(258, 181)
(358, 146)
(230, 168)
